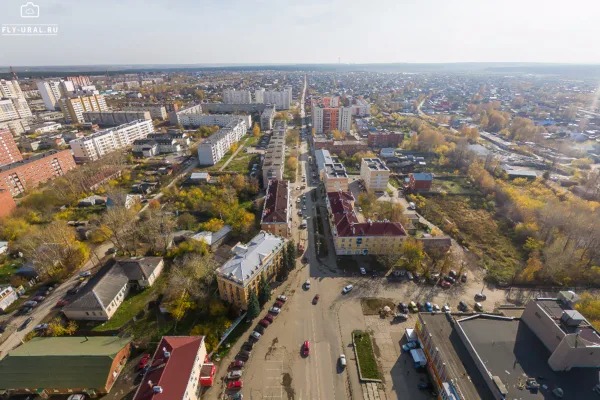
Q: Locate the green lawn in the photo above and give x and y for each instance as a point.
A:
(7, 270)
(132, 305)
(366, 356)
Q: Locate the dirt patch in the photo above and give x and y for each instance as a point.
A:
(271, 348)
(287, 386)
(372, 305)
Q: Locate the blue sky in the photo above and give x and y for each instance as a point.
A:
(280, 31)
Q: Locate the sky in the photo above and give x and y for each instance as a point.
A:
(92, 32)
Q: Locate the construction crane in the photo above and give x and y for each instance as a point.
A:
(13, 74)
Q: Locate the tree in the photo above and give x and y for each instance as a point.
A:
(256, 130)
(412, 251)
(389, 261)
(213, 225)
(264, 293)
(180, 306)
(234, 147)
(187, 221)
(57, 328)
(253, 306)
(156, 227)
(338, 135)
(291, 163)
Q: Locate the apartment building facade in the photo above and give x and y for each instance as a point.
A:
(26, 174)
(114, 118)
(9, 153)
(276, 218)
(212, 149)
(266, 118)
(50, 93)
(240, 275)
(328, 115)
(281, 99)
(232, 96)
(97, 145)
(156, 111)
(274, 159)
(375, 174)
(74, 107)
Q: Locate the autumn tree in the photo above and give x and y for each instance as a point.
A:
(187, 221)
(413, 254)
(256, 130)
(291, 163)
(264, 290)
(213, 225)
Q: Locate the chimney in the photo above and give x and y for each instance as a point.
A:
(150, 383)
(166, 353)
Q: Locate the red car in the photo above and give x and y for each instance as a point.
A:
(316, 299)
(144, 361)
(445, 284)
(235, 385)
(237, 364)
(278, 304)
(264, 322)
(62, 303)
(269, 318)
(306, 348)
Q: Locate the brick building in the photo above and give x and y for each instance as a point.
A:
(7, 204)
(276, 213)
(385, 138)
(420, 181)
(27, 174)
(9, 153)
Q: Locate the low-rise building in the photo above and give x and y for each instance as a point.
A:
(8, 295)
(104, 293)
(26, 174)
(351, 237)
(276, 217)
(45, 127)
(213, 239)
(420, 181)
(335, 177)
(151, 147)
(49, 366)
(175, 370)
(384, 138)
(240, 275)
(375, 174)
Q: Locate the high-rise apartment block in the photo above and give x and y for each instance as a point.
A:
(375, 174)
(10, 90)
(115, 118)
(79, 81)
(232, 96)
(95, 146)
(157, 111)
(328, 114)
(9, 153)
(281, 99)
(50, 92)
(74, 107)
(14, 109)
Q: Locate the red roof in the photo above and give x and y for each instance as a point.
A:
(346, 223)
(171, 373)
(276, 202)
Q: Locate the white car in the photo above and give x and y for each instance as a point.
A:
(343, 360)
(274, 310)
(446, 308)
(255, 335)
(347, 289)
(363, 271)
(307, 284)
(76, 397)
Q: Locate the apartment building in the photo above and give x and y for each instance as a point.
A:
(331, 172)
(193, 117)
(10, 89)
(240, 275)
(328, 115)
(213, 148)
(274, 159)
(7, 203)
(549, 351)
(114, 118)
(79, 80)
(74, 107)
(266, 118)
(26, 174)
(16, 126)
(382, 138)
(9, 153)
(281, 99)
(375, 174)
(232, 96)
(50, 93)
(360, 107)
(276, 218)
(156, 111)
(351, 237)
(96, 145)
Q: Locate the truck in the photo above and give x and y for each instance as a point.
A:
(418, 356)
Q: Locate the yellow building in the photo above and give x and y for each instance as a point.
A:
(240, 275)
(74, 107)
(375, 174)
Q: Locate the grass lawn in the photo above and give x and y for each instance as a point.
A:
(242, 163)
(242, 328)
(7, 270)
(459, 185)
(132, 305)
(372, 305)
(366, 355)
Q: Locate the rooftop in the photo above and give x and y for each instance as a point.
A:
(171, 367)
(374, 164)
(250, 259)
(276, 207)
(556, 308)
(31, 159)
(335, 170)
(422, 176)
(512, 352)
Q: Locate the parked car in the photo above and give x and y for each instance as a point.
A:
(480, 296)
(412, 306)
(424, 385)
(62, 303)
(403, 307)
(235, 385)
(30, 303)
(282, 298)
(446, 308)
(343, 361)
(76, 397)
(274, 310)
(409, 346)
(478, 307)
(144, 361)
(399, 317)
(74, 289)
(25, 324)
(445, 284)
(450, 279)
(306, 348)
(410, 276)
(278, 304)
(39, 298)
(315, 299)
(40, 327)
(237, 364)
(247, 346)
(243, 355)
(269, 318)
(264, 322)
(85, 274)
(347, 289)
(428, 307)
(363, 271)
(260, 329)
(453, 273)
(462, 306)
(255, 335)
(420, 306)
(237, 396)
(463, 277)
(436, 308)
(234, 375)
(24, 310)
(307, 284)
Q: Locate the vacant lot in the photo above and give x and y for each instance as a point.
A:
(476, 229)
(372, 306)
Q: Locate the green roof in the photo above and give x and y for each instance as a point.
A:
(61, 362)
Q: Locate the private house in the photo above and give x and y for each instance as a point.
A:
(104, 293)
(47, 366)
(241, 273)
(420, 181)
(178, 370)
(213, 239)
(8, 295)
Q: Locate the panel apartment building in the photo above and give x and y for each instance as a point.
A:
(232, 96)
(9, 153)
(115, 118)
(74, 107)
(281, 99)
(14, 110)
(157, 111)
(96, 145)
(274, 160)
(328, 114)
